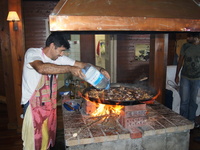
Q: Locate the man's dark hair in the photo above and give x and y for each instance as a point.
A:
(59, 39)
(193, 34)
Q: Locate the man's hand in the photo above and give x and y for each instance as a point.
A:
(176, 80)
(105, 73)
(76, 71)
(82, 65)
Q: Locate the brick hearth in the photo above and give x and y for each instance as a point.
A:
(163, 126)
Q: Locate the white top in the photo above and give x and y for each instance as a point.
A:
(31, 77)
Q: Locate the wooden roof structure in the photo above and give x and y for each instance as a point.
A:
(126, 15)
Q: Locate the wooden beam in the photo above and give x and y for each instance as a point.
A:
(158, 63)
(17, 56)
(7, 67)
(112, 23)
(87, 49)
(129, 15)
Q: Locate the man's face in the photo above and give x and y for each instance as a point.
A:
(190, 40)
(57, 52)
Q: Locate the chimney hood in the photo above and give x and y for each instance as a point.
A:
(126, 15)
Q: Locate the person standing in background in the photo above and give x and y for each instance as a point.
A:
(189, 61)
(39, 89)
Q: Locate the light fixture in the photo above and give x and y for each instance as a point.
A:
(13, 16)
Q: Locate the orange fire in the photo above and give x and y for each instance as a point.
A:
(104, 109)
(151, 101)
(155, 97)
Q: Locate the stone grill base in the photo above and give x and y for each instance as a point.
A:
(170, 141)
(164, 129)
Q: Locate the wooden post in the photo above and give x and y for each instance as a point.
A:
(158, 63)
(87, 48)
(17, 56)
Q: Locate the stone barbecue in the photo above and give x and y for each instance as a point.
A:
(151, 126)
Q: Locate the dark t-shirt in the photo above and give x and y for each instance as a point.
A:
(191, 66)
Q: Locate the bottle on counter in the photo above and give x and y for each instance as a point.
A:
(95, 78)
(78, 89)
(68, 79)
(67, 82)
(72, 90)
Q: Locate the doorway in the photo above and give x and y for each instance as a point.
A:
(106, 54)
(100, 50)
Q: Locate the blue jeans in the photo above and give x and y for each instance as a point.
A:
(188, 93)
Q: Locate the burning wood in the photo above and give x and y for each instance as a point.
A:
(107, 113)
(102, 117)
(107, 110)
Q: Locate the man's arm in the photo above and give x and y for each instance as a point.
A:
(179, 66)
(48, 68)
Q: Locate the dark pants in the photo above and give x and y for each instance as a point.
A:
(25, 106)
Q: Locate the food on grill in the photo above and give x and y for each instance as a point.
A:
(120, 94)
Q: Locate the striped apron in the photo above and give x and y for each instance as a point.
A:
(42, 110)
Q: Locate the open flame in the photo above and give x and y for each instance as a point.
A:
(151, 101)
(104, 109)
